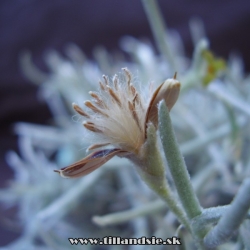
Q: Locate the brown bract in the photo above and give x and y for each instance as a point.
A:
(167, 91)
(119, 115)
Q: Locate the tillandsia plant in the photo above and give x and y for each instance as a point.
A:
(120, 116)
(122, 119)
(125, 124)
(126, 121)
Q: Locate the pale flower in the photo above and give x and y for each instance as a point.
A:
(119, 116)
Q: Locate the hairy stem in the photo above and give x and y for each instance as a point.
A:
(177, 165)
(152, 171)
(179, 172)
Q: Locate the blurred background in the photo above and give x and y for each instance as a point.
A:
(42, 25)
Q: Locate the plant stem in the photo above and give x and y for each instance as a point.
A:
(223, 94)
(231, 219)
(177, 165)
(195, 72)
(179, 173)
(159, 30)
(120, 217)
(197, 144)
(152, 171)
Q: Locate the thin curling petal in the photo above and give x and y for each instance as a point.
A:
(168, 91)
(89, 163)
(95, 146)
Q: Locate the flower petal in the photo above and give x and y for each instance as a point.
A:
(168, 91)
(95, 146)
(89, 163)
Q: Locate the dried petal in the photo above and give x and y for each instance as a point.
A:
(79, 110)
(128, 75)
(92, 127)
(106, 80)
(94, 108)
(114, 96)
(168, 91)
(89, 163)
(134, 114)
(98, 100)
(101, 86)
(115, 81)
(95, 146)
